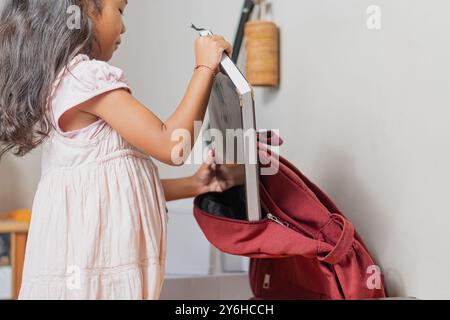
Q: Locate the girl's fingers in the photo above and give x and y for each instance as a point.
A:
(226, 46)
(228, 49)
(209, 159)
(218, 37)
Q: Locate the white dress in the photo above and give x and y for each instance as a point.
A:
(99, 218)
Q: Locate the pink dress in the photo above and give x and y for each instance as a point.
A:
(98, 228)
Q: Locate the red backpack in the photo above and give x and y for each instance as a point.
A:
(303, 248)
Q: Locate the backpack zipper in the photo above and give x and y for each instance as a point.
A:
(269, 216)
(283, 223)
(277, 220)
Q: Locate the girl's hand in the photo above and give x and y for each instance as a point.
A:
(213, 177)
(209, 51)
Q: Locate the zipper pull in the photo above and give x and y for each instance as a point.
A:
(275, 219)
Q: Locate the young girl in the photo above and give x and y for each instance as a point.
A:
(98, 229)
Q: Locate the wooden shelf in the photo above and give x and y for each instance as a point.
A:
(9, 226)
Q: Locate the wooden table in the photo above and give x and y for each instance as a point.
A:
(18, 232)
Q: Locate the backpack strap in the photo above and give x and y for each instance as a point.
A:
(345, 242)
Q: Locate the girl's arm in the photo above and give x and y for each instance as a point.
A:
(142, 128)
(182, 188)
(210, 177)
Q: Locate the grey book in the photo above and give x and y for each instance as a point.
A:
(232, 112)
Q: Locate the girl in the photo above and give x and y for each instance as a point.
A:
(99, 215)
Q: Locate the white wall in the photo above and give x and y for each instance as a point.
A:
(363, 113)
(18, 181)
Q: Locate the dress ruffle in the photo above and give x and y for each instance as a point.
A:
(134, 282)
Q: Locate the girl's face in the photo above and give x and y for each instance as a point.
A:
(109, 27)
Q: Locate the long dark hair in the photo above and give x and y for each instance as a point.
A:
(36, 44)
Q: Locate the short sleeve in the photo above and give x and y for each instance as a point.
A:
(83, 80)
